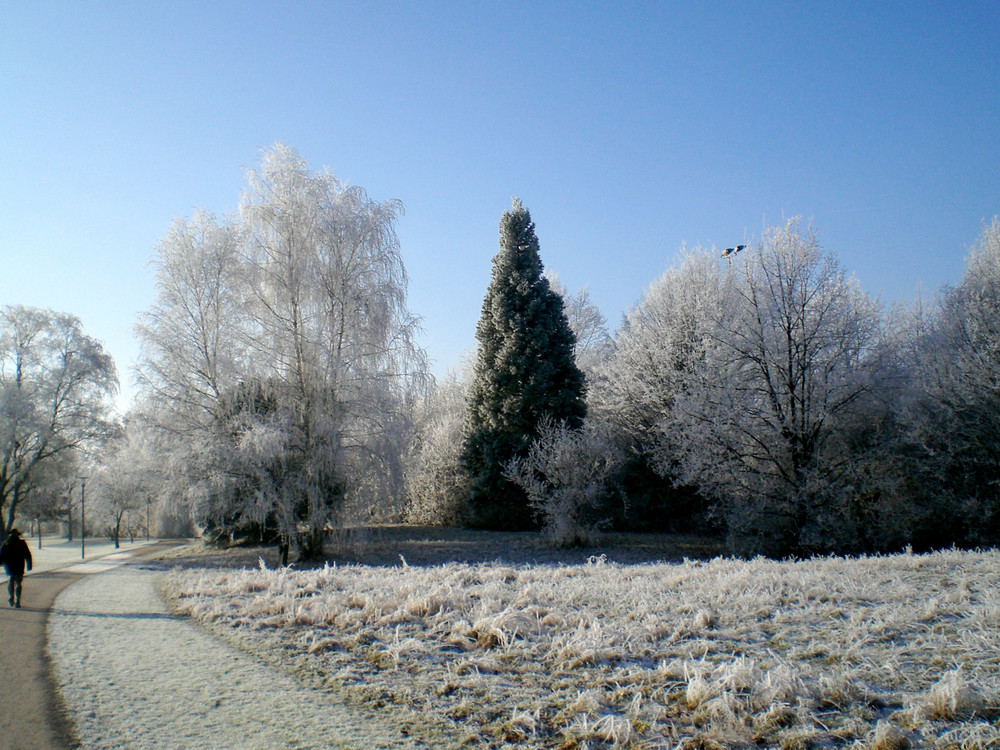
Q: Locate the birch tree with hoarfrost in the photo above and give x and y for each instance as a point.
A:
(327, 291)
(760, 424)
(194, 350)
(321, 329)
(193, 343)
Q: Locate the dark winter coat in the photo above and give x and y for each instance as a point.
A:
(15, 554)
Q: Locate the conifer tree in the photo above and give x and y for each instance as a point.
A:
(524, 373)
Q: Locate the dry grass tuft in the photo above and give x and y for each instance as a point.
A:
(888, 736)
(951, 698)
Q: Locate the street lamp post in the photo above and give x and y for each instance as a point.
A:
(83, 517)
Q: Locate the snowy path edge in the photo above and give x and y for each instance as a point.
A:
(132, 675)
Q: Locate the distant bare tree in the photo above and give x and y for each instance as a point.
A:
(128, 483)
(116, 497)
(45, 497)
(589, 326)
(56, 385)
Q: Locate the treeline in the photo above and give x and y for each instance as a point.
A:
(762, 396)
(765, 397)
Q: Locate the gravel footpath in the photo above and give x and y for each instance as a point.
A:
(133, 676)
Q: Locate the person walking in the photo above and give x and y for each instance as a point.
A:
(14, 554)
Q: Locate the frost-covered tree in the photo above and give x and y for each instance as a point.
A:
(304, 292)
(437, 486)
(56, 385)
(123, 483)
(633, 392)
(153, 466)
(194, 349)
(327, 294)
(954, 417)
(565, 475)
(194, 343)
(524, 373)
(589, 326)
(760, 424)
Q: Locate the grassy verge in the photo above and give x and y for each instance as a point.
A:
(515, 649)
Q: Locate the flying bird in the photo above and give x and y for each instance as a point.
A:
(731, 251)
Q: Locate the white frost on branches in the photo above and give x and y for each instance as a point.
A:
(790, 363)
(565, 476)
(281, 353)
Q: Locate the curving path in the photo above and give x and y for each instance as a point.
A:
(30, 714)
(134, 676)
(97, 661)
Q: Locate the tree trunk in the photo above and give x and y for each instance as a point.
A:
(311, 544)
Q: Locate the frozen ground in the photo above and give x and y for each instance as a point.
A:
(879, 652)
(132, 676)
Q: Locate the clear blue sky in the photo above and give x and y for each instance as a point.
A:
(628, 129)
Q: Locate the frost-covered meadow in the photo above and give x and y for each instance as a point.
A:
(884, 652)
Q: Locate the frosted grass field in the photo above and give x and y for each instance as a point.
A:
(881, 652)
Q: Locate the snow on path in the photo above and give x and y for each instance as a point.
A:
(133, 676)
(56, 553)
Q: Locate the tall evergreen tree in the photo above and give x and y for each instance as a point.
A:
(524, 373)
